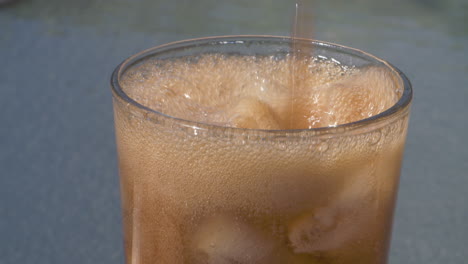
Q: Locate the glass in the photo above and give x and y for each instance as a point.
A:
(194, 192)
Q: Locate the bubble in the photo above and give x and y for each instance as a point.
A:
(256, 92)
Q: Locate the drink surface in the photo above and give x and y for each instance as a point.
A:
(192, 195)
(255, 92)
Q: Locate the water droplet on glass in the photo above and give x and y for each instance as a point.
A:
(375, 137)
(322, 146)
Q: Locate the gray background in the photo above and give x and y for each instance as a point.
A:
(59, 192)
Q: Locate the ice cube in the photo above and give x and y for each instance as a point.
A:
(253, 113)
(322, 230)
(365, 93)
(224, 239)
(331, 226)
(155, 238)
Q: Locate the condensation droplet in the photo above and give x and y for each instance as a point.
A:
(312, 146)
(240, 139)
(385, 131)
(322, 146)
(375, 137)
(401, 127)
(281, 145)
(352, 142)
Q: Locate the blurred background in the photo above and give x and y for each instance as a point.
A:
(59, 189)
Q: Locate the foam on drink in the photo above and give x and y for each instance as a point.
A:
(190, 196)
(255, 92)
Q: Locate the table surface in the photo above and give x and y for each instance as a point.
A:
(59, 190)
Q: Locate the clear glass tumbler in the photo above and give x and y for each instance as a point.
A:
(195, 192)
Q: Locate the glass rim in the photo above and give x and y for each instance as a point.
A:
(396, 110)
